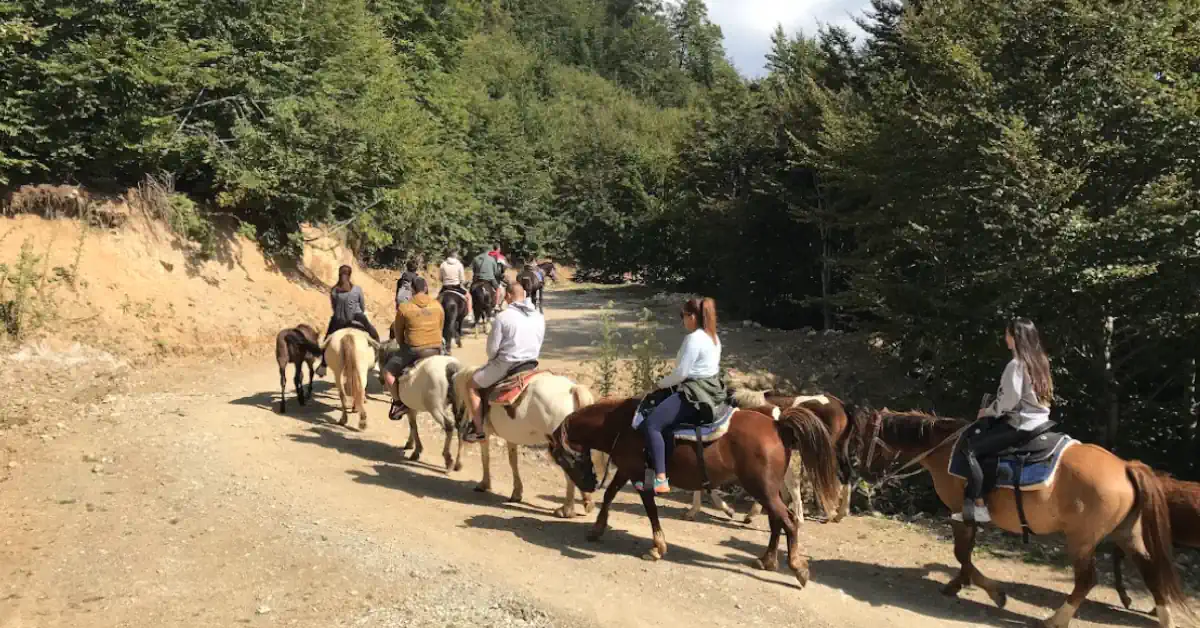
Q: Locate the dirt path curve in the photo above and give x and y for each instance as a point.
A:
(190, 502)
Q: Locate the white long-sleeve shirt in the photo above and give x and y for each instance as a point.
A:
(1017, 400)
(517, 334)
(699, 357)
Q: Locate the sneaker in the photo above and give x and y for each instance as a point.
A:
(980, 515)
(473, 435)
(661, 487)
(396, 412)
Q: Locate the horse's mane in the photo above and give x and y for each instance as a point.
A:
(914, 428)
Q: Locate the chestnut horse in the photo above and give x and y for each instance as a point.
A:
(836, 417)
(1094, 495)
(296, 346)
(754, 451)
(1183, 502)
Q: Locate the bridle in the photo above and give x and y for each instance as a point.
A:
(899, 473)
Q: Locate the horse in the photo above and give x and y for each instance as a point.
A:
(455, 307)
(426, 388)
(483, 302)
(535, 286)
(833, 412)
(348, 352)
(1183, 504)
(295, 346)
(549, 270)
(1094, 495)
(755, 451)
(534, 416)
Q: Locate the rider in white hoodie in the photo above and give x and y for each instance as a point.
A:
(516, 338)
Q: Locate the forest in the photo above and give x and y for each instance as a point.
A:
(956, 163)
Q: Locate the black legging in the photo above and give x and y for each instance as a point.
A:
(997, 436)
(360, 319)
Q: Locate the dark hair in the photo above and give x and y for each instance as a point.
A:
(495, 247)
(343, 282)
(1027, 344)
(419, 285)
(705, 311)
(411, 266)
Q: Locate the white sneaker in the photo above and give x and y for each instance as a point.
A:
(981, 515)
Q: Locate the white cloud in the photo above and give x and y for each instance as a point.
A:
(747, 24)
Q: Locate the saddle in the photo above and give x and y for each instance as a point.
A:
(506, 392)
(708, 426)
(1026, 466)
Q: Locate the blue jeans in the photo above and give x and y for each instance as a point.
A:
(672, 410)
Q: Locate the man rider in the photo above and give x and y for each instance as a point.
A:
(453, 277)
(418, 327)
(485, 268)
(504, 266)
(516, 338)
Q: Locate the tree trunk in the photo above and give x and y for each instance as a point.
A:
(1192, 434)
(826, 270)
(1111, 403)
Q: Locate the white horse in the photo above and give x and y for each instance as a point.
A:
(349, 353)
(539, 411)
(426, 388)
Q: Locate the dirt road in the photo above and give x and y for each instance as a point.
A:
(186, 500)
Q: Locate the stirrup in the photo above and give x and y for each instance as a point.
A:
(396, 412)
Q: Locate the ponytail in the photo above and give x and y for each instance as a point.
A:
(705, 311)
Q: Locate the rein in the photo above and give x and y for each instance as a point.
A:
(898, 474)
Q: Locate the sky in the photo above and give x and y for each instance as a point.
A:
(747, 24)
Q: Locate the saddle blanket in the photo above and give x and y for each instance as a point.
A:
(509, 390)
(710, 432)
(1037, 473)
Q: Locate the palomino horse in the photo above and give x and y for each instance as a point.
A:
(349, 353)
(296, 346)
(454, 305)
(426, 388)
(539, 411)
(834, 415)
(755, 451)
(1183, 502)
(1094, 495)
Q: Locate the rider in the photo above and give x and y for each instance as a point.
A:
(453, 276)
(1021, 405)
(516, 338)
(418, 327)
(696, 383)
(349, 308)
(497, 255)
(485, 268)
(404, 285)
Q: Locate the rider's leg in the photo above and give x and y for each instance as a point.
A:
(333, 326)
(652, 428)
(994, 439)
(362, 319)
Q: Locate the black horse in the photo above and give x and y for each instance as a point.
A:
(454, 305)
(529, 277)
(483, 302)
(549, 270)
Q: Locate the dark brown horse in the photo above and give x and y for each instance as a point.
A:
(534, 286)
(1183, 502)
(754, 452)
(454, 308)
(295, 346)
(1094, 495)
(835, 415)
(549, 270)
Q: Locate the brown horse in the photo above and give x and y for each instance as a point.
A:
(755, 452)
(296, 346)
(1183, 503)
(836, 417)
(1094, 495)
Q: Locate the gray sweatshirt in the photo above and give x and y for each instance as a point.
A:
(517, 334)
(1016, 401)
(347, 305)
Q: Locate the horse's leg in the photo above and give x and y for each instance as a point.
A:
(1118, 556)
(282, 389)
(462, 445)
(660, 539)
(769, 561)
(485, 455)
(755, 510)
(414, 436)
(342, 396)
(1135, 547)
(448, 428)
(1083, 557)
(568, 509)
(299, 382)
(518, 488)
(843, 503)
(964, 545)
(690, 515)
(601, 525)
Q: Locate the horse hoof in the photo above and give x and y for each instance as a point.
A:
(588, 507)
(1126, 601)
(765, 565)
(690, 515)
(406, 447)
(594, 536)
(458, 466)
(652, 555)
(951, 589)
(564, 513)
(415, 455)
(801, 576)
(343, 421)
(449, 463)
(748, 519)
(515, 498)
(482, 488)
(1000, 598)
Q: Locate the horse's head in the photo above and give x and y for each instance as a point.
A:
(885, 440)
(577, 464)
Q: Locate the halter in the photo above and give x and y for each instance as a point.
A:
(897, 474)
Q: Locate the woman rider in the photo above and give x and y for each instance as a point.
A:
(349, 308)
(696, 385)
(1021, 405)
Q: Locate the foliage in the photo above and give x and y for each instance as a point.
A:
(26, 293)
(606, 365)
(648, 364)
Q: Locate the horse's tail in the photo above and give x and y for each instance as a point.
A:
(350, 373)
(1156, 534)
(307, 345)
(583, 396)
(282, 354)
(802, 432)
(746, 398)
(452, 368)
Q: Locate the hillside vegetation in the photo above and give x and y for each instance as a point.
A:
(969, 161)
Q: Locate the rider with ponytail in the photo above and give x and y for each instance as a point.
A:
(696, 385)
(1022, 405)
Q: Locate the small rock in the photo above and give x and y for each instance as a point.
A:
(47, 438)
(353, 592)
(13, 464)
(60, 425)
(91, 458)
(263, 610)
(99, 468)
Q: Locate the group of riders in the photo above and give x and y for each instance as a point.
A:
(696, 386)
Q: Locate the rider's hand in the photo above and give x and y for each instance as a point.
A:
(982, 413)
